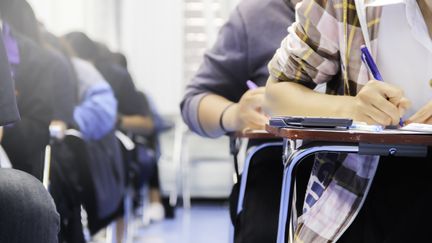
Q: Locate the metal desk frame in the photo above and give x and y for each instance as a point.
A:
(294, 153)
(234, 150)
(293, 156)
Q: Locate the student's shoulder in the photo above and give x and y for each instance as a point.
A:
(28, 49)
(57, 59)
(253, 9)
(36, 54)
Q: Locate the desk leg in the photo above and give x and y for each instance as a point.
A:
(292, 161)
(245, 172)
(283, 210)
(289, 147)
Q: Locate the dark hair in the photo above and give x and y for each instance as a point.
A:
(120, 59)
(57, 43)
(83, 46)
(20, 16)
(104, 53)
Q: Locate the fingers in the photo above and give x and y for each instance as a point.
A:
(260, 90)
(249, 106)
(390, 92)
(403, 106)
(258, 118)
(388, 101)
(423, 115)
(362, 117)
(254, 98)
(385, 112)
(255, 120)
(381, 118)
(257, 101)
(429, 121)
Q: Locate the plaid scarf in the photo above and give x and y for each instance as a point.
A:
(323, 46)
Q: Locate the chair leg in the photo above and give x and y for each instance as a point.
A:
(128, 213)
(84, 222)
(111, 233)
(185, 172)
(177, 158)
(47, 166)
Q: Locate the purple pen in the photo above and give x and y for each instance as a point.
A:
(373, 69)
(251, 85)
(370, 63)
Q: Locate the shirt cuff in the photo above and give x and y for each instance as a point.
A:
(190, 114)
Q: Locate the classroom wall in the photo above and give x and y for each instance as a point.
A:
(96, 17)
(152, 39)
(150, 33)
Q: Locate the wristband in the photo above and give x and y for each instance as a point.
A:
(221, 117)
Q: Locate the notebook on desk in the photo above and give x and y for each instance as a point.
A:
(425, 128)
(413, 128)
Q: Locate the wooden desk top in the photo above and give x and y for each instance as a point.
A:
(350, 136)
(255, 134)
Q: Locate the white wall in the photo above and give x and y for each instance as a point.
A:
(95, 17)
(152, 40)
(148, 32)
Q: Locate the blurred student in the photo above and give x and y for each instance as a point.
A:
(218, 101)
(94, 115)
(20, 16)
(27, 211)
(353, 198)
(118, 77)
(133, 114)
(96, 111)
(45, 87)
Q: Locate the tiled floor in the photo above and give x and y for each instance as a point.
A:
(202, 224)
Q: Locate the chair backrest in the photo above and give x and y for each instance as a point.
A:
(94, 172)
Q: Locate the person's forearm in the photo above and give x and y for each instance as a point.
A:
(1, 133)
(291, 99)
(139, 124)
(209, 112)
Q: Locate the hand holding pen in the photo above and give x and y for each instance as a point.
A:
(248, 109)
(379, 102)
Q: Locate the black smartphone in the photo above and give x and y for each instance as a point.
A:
(310, 122)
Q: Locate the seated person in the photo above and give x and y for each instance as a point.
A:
(133, 113)
(359, 198)
(45, 88)
(217, 101)
(100, 171)
(27, 211)
(95, 116)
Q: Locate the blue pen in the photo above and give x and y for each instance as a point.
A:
(251, 85)
(370, 64)
(373, 69)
